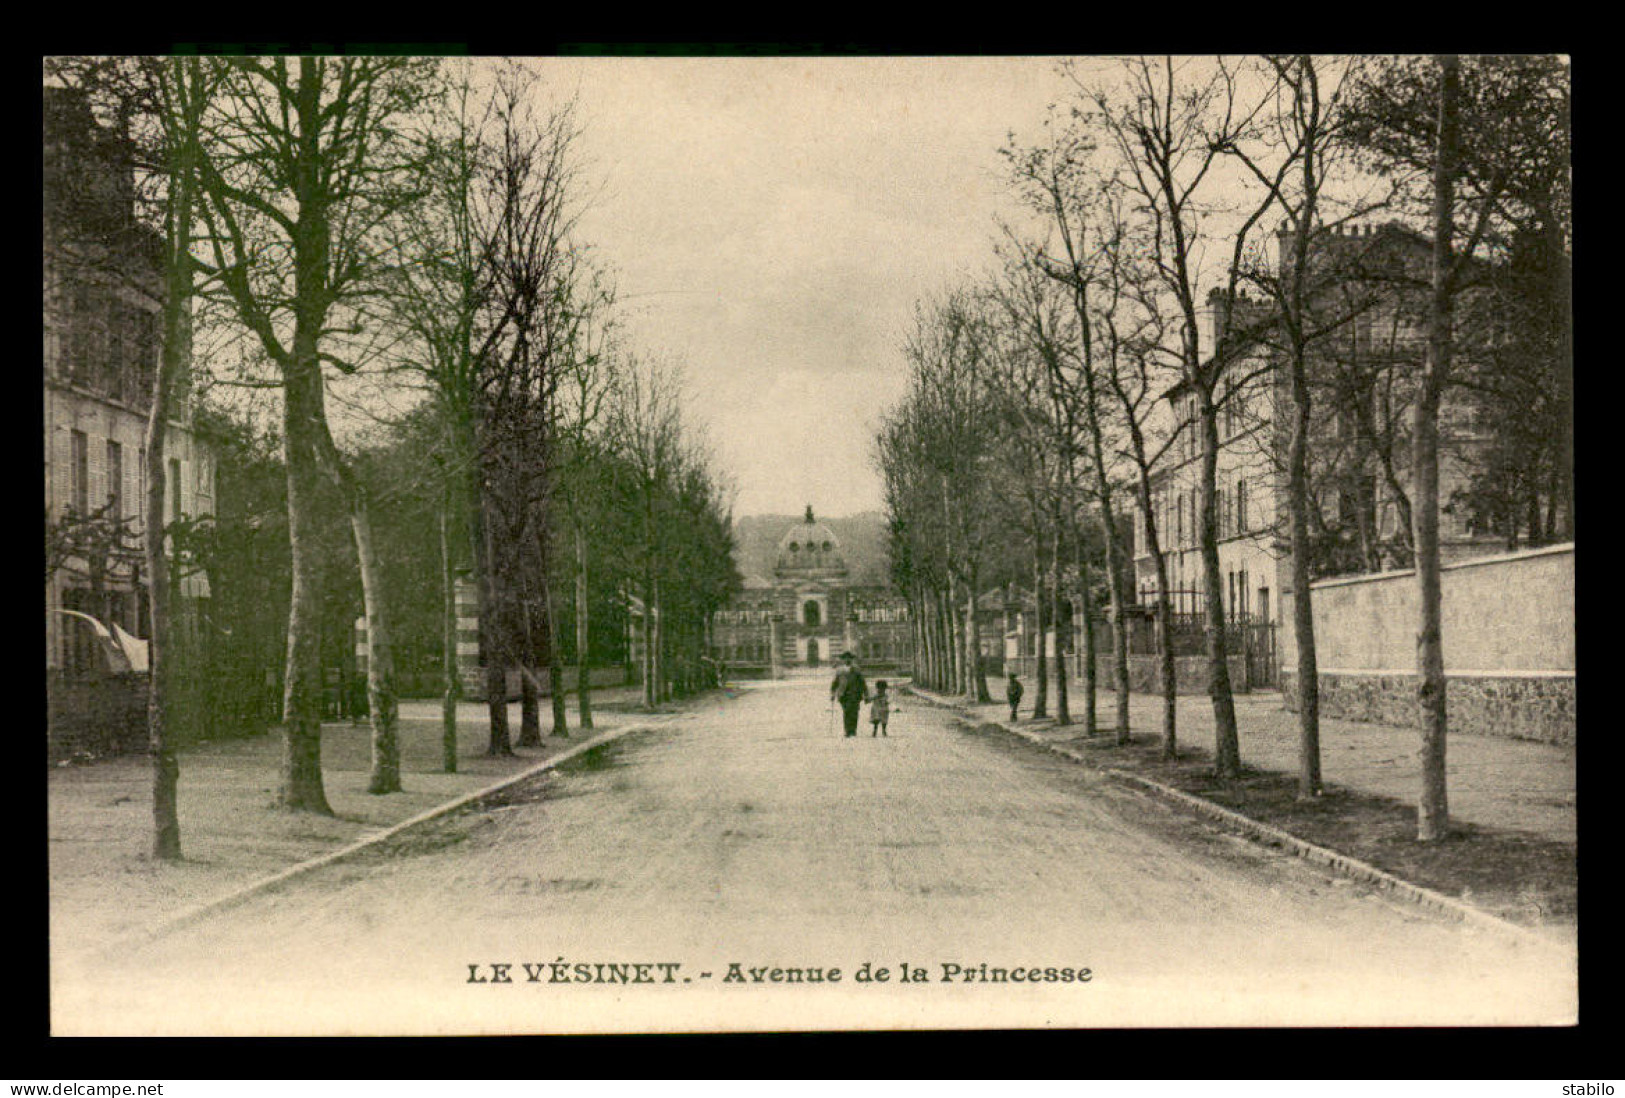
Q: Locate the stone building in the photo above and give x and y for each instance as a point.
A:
(103, 293)
(809, 610)
(1361, 372)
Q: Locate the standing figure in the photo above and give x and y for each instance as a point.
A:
(879, 709)
(1012, 694)
(849, 689)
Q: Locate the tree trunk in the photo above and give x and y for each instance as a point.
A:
(166, 828)
(448, 644)
(1040, 604)
(956, 641)
(977, 694)
(301, 770)
(649, 695)
(530, 606)
(1063, 709)
(1563, 294)
(555, 651)
(922, 648)
(494, 628)
(930, 622)
(1433, 815)
(1303, 617)
(1165, 610)
(1091, 674)
(1114, 584)
(916, 667)
(661, 665)
(1226, 742)
(381, 702)
(303, 429)
(530, 705)
(583, 634)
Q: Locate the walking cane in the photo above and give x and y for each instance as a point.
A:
(832, 716)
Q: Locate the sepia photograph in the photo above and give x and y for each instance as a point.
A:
(635, 541)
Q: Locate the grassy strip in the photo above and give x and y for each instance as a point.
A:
(1520, 877)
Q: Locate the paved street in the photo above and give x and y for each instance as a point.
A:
(753, 834)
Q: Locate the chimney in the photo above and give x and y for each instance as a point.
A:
(1212, 321)
(1285, 242)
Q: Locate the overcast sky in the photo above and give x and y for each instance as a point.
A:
(772, 222)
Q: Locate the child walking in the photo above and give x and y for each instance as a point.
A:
(879, 709)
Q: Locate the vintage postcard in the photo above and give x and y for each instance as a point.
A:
(670, 544)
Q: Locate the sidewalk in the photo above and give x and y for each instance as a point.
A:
(1508, 784)
(105, 884)
(1511, 851)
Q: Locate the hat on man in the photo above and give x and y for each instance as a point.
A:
(847, 655)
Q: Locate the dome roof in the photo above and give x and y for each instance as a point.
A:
(810, 547)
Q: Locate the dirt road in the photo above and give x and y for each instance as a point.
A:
(625, 893)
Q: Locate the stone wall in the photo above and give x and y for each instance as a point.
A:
(1509, 646)
(1538, 708)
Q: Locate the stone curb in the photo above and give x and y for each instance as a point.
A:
(1331, 859)
(265, 884)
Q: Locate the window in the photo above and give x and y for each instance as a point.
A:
(79, 472)
(119, 325)
(115, 479)
(144, 364)
(1241, 505)
(810, 615)
(85, 331)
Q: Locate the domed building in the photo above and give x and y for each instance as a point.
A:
(810, 610)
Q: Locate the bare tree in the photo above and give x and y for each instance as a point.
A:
(184, 95)
(1302, 131)
(1490, 139)
(1433, 809)
(1057, 180)
(301, 164)
(1134, 373)
(646, 426)
(164, 101)
(493, 306)
(1166, 128)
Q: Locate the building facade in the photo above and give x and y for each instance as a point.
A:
(103, 300)
(1371, 295)
(809, 611)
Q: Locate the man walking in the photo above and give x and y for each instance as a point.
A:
(849, 689)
